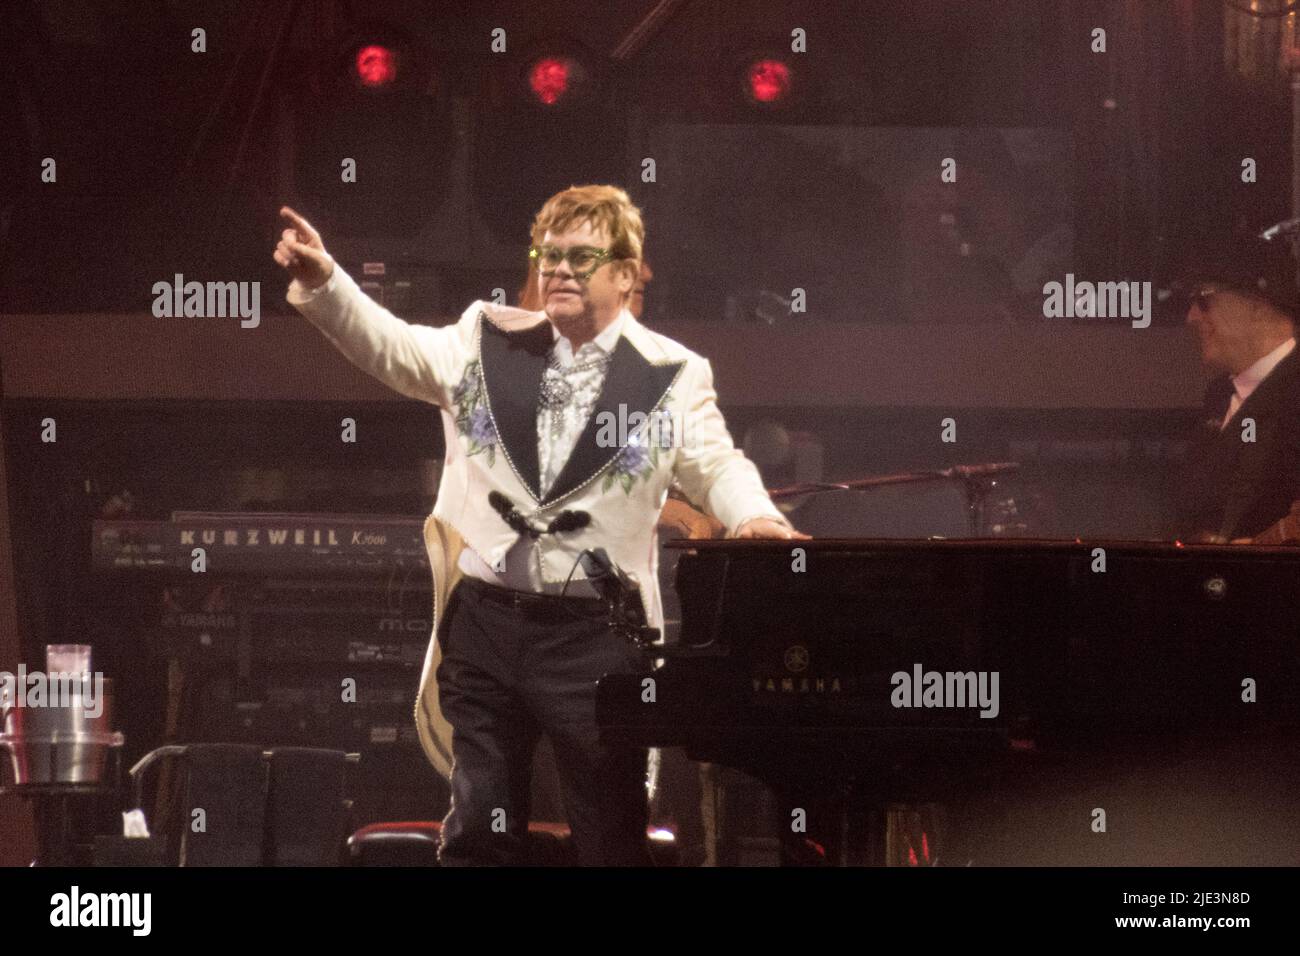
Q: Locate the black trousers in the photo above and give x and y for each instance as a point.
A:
(515, 666)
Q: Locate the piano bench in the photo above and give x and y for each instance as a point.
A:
(415, 843)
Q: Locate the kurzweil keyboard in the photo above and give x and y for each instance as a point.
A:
(262, 543)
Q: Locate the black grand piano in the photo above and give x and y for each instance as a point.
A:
(858, 674)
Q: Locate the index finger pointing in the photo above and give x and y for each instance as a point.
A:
(304, 228)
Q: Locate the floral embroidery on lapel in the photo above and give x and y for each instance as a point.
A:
(640, 456)
(631, 463)
(473, 420)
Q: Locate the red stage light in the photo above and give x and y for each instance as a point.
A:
(376, 66)
(549, 79)
(769, 80)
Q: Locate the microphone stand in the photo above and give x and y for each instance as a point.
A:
(976, 481)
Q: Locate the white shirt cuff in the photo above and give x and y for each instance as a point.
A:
(298, 293)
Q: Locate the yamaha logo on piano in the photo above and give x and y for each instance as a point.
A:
(796, 661)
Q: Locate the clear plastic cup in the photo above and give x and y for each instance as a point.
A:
(67, 658)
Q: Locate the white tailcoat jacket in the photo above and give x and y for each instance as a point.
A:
(484, 372)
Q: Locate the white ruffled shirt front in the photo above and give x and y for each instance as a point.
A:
(558, 431)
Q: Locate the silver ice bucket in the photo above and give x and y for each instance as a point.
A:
(60, 744)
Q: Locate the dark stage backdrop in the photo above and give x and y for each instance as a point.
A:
(860, 219)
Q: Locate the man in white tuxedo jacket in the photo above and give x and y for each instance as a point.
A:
(564, 429)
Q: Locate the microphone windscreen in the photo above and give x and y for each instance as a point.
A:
(599, 557)
(569, 521)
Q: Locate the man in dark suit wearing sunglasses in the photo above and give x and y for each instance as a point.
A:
(1245, 471)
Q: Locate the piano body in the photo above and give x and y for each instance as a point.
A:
(799, 663)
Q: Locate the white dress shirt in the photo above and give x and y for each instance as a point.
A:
(1244, 383)
(558, 431)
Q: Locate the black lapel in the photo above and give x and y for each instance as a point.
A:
(633, 383)
(513, 364)
(1240, 465)
(1211, 462)
(1218, 396)
(1268, 393)
(1223, 445)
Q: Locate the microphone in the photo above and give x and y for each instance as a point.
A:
(564, 522)
(510, 514)
(597, 561)
(600, 572)
(614, 586)
(568, 520)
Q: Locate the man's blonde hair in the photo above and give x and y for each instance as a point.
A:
(603, 206)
